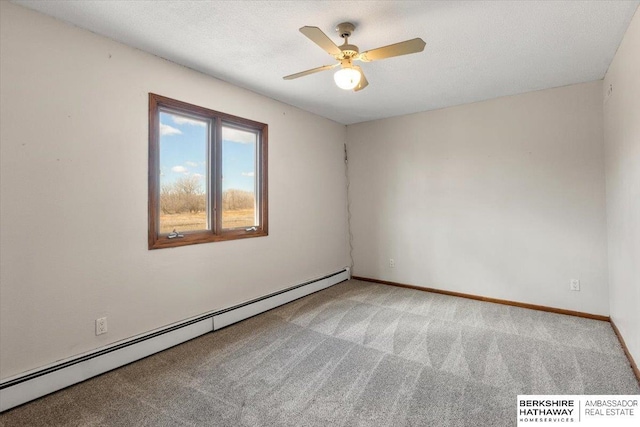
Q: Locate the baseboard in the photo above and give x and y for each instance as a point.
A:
(248, 309)
(632, 362)
(33, 384)
(487, 299)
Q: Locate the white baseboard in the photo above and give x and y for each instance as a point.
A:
(251, 308)
(31, 385)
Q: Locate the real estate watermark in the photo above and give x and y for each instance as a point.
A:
(583, 410)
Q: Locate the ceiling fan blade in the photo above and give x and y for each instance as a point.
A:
(316, 35)
(403, 48)
(363, 80)
(311, 71)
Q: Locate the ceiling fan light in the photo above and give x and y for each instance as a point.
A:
(347, 78)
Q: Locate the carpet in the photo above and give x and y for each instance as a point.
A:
(355, 354)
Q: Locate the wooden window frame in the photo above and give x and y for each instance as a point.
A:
(214, 195)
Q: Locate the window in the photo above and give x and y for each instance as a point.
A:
(207, 175)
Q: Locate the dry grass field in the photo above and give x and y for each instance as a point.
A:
(238, 218)
(186, 221)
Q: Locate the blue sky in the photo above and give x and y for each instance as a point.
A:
(183, 152)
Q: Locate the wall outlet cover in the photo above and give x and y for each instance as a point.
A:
(101, 326)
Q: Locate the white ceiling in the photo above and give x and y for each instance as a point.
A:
(476, 50)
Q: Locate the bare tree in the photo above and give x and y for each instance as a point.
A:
(186, 194)
(234, 199)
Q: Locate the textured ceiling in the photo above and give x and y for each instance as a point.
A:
(476, 50)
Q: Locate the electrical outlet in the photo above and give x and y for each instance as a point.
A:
(574, 285)
(392, 263)
(101, 326)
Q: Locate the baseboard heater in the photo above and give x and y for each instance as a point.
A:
(33, 384)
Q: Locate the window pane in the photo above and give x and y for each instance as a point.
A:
(183, 173)
(239, 178)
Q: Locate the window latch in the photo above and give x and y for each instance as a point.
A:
(174, 234)
(254, 228)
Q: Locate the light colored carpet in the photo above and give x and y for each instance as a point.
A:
(356, 354)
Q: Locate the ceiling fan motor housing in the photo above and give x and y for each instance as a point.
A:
(348, 51)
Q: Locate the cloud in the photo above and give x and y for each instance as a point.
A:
(168, 130)
(192, 164)
(248, 174)
(198, 175)
(179, 169)
(239, 136)
(180, 120)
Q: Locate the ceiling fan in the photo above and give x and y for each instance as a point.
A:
(350, 76)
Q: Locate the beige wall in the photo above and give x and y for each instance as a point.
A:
(503, 198)
(622, 147)
(73, 147)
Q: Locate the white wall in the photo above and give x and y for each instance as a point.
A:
(622, 148)
(73, 148)
(503, 198)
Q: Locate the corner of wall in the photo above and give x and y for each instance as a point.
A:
(621, 109)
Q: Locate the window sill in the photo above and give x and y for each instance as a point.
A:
(162, 242)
